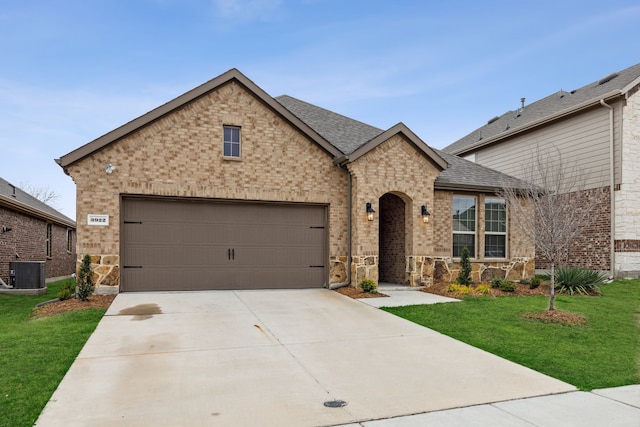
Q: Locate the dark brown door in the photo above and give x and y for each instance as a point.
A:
(197, 245)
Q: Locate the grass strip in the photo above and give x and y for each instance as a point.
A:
(605, 352)
(36, 354)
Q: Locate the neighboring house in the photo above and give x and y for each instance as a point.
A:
(595, 128)
(33, 231)
(226, 187)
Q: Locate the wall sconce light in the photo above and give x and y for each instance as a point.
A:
(370, 212)
(110, 168)
(6, 229)
(425, 214)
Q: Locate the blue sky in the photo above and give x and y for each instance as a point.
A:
(72, 71)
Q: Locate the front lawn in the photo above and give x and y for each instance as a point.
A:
(36, 353)
(603, 353)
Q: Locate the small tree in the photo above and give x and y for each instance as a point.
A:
(550, 208)
(85, 285)
(464, 277)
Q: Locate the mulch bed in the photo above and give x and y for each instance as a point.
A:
(353, 292)
(440, 288)
(557, 316)
(73, 304)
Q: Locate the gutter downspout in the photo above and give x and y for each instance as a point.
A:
(348, 266)
(612, 183)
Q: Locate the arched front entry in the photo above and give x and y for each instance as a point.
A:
(391, 240)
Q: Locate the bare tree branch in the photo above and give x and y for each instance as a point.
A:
(44, 194)
(552, 208)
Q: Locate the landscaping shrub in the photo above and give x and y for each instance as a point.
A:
(503, 284)
(535, 282)
(369, 286)
(464, 277)
(67, 289)
(483, 289)
(578, 280)
(454, 287)
(85, 283)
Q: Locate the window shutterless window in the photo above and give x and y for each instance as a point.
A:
(48, 242)
(495, 224)
(69, 240)
(464, 225)
(231, 143)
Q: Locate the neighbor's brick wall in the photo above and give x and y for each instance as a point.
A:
(27, 238)
(181, 155)
(627, 199)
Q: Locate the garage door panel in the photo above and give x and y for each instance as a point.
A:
(186, 245)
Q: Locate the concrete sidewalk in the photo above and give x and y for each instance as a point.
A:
(274, 358)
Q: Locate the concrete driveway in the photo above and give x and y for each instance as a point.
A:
(272, 358)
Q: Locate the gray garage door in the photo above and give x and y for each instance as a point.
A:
(198, 245)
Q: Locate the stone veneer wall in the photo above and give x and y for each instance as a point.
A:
(627, 199)
(180, 155)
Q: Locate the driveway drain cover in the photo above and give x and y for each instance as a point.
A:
(335, 403)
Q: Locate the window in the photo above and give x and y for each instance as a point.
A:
(48, 241)
(464, 225)
(495, 224)
(69, 240)
(231, 142)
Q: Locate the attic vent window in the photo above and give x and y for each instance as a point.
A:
(493, 120)
(608, 78)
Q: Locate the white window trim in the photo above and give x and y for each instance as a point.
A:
(497, 233)
(473, 233)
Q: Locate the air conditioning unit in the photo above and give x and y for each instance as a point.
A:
(27, 274)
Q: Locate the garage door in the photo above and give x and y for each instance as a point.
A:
(198, 245)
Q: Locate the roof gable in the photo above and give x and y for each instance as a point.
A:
(177, 103)
(19, 200)
(549, 108)
(402, 129)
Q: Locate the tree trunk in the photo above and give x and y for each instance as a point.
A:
(552, 288)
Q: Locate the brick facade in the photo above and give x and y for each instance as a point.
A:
(180, 155)
(27, 239)
(592, 248)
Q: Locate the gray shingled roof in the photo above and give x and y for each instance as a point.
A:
(348, 135)
(547, 107)
(463, 174)
(19, 197)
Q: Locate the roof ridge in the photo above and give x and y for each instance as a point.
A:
(548, 106)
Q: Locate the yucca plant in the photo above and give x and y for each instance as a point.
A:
(578, 280)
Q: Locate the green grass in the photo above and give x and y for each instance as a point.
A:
(603, 353)
(36, 354)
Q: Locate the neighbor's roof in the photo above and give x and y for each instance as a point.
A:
(14, 198)
(550, 108)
